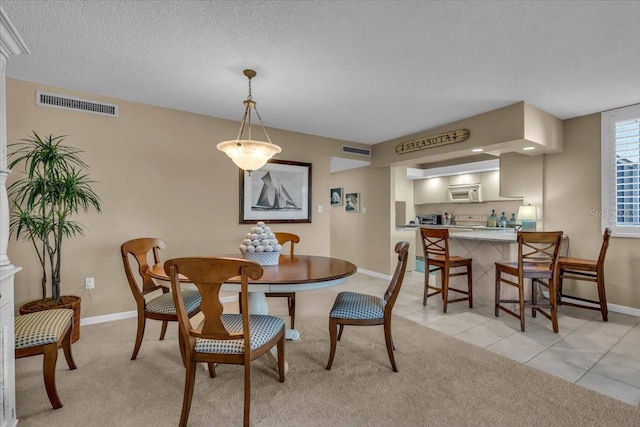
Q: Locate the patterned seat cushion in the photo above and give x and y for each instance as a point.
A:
(353, 305)
(261, 327)
(164, 303)
(42, 327)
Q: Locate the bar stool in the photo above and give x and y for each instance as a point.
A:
(435, 243)
(537, 260)
(589, 271)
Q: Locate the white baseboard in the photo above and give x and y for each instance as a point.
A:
(374, 274)
(129, 314)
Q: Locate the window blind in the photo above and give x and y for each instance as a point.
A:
(627, 183)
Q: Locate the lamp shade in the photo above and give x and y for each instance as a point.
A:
(527, 216)
(249, 154)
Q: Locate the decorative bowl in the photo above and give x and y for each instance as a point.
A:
(262, 258)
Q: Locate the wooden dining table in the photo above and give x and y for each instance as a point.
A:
(292, 274)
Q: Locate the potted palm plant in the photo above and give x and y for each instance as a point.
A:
(53, 189)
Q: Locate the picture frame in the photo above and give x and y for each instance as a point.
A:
(335, 195)
(352, 202)
(278, 192)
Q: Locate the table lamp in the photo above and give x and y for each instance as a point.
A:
(527, 217)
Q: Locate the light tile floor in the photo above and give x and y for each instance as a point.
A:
(602, 356)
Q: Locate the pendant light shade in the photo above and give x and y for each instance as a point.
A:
(249, 154)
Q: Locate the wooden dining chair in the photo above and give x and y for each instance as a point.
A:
(435, 244)
(222, 337)
(537, 260)
(160, 307)
(585, 270)
(357, 309)
(44, 332)
(284, 238)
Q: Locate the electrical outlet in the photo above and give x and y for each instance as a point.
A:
(89, 283)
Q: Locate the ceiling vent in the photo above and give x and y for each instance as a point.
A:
(356, 150)
(76, 104)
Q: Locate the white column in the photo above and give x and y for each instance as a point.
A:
(10, 44)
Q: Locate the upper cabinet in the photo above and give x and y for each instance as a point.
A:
(431, 190)
(435, 190)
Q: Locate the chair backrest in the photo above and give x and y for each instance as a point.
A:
(390, 296)
(208, 274)
(538, 247)
(603, 249)
(284, 237)
(435, 242)
(140, 249)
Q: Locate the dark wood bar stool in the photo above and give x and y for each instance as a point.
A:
(435, 243)
(537, 260)
(586, 270)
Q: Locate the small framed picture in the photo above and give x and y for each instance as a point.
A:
(352, 202)
(336, 197)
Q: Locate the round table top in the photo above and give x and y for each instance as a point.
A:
(294, 270)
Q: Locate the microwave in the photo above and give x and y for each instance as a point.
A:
(465, 193)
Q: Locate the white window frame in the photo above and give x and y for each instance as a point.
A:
(609, 171)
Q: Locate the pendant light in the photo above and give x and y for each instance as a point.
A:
(249, 154)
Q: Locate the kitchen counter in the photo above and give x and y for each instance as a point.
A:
(493, 234)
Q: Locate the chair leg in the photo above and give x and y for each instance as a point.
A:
(164, 329)
(534, 298)
(340, 332)
(445, 290)
(292, 310)
(554, 305)
(66, 347)
(247, 393)
(281, 359)
(497, 302)
(212, 369)
(602, 296)
(189, 381)
(389, 341)
(49, 370)
(333, 325)
(559, 282)
(470, 285)
(521, 303)
(426, 284)
(141, 322)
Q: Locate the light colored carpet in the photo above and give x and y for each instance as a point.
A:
(441, 381)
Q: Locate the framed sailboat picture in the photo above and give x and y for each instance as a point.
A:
(278, 192)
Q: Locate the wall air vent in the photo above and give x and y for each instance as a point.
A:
(356, 150)
(76, 104)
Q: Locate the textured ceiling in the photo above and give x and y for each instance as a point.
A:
(353, 70)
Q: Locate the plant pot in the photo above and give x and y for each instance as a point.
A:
(66, 301)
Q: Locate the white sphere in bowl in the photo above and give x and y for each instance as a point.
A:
(263, 236)
(254, 236)
(265, 243)
(260, 224)
(268, 248)
(243, 248)
(259, 248)
(272, 236)
(267, 230)
(246, 242)
(278, 247)
(251, 248)
(273, 242)
(256, 243)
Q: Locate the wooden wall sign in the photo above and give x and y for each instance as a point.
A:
(459, 135)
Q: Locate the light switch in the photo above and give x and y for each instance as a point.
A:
(319, 208)
(364, 210)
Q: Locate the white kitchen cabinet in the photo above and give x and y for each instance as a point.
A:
(465, 178)
(431, 190)
(490, 182)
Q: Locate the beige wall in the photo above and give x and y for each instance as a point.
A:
(571, 196)
(364, 238)
(158, 173)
